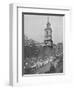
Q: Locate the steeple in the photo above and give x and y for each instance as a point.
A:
(48, 34)
(48, 23)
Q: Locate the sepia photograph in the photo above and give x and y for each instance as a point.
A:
(42, 43)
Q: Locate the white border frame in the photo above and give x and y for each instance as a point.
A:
(16, 47)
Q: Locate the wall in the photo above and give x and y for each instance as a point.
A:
(4, 45)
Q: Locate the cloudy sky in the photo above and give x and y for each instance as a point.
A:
(34, 26)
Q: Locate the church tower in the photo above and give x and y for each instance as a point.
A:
(48, 34)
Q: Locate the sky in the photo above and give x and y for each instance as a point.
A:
(34, 27)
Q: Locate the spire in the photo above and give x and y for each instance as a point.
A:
(48, 19)
(48, 34)
(48, 23)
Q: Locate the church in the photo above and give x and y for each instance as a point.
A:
(48, 48)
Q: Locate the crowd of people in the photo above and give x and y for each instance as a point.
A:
(31, 65)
